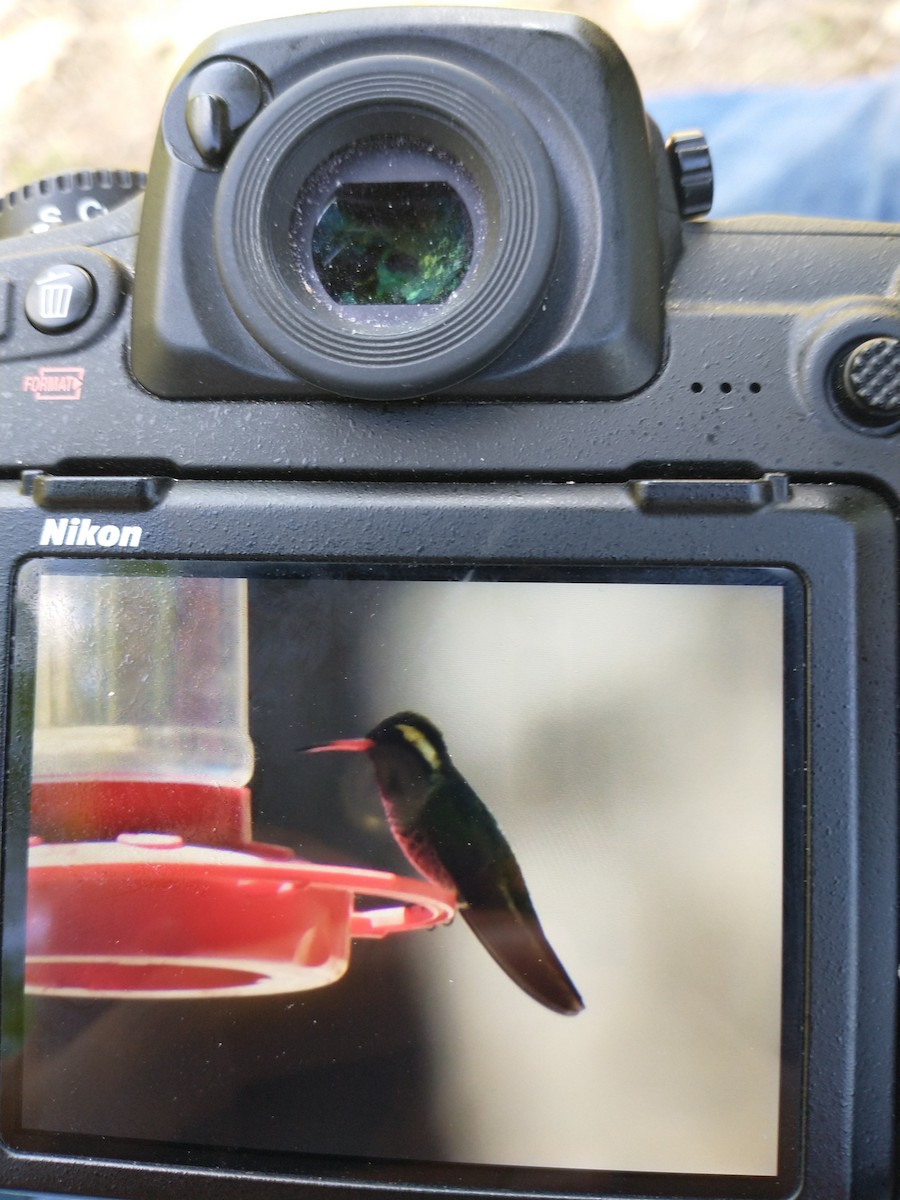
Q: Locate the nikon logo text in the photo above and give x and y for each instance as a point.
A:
(79, 531)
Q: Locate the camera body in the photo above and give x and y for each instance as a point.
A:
(599, 392)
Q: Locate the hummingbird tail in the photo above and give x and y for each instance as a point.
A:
(518, 944)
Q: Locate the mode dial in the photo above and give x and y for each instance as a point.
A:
(66, 199)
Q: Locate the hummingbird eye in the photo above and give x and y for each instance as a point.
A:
(421, 745)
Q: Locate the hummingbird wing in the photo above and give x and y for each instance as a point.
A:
(518, 944)
(495, 902)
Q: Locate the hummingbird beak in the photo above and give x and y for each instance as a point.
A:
(354, 744)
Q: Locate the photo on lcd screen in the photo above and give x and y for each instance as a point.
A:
(589, 767)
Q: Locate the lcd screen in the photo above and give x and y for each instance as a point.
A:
(626, 731)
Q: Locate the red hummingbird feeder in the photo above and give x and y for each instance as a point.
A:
(153, 888)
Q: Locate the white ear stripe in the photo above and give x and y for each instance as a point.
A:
(421, 743)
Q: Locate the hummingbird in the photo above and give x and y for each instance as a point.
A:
(448, 834)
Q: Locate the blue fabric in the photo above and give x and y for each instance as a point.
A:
(830, 151)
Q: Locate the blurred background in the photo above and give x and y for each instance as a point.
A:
(82, 81)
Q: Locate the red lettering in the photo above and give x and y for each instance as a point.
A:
(55, 383)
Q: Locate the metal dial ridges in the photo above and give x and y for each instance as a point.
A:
(74, 181)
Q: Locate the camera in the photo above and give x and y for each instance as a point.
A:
(418, 522)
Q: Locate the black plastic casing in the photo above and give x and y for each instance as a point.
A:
(595, 322)
(840, 826)
(728, 449)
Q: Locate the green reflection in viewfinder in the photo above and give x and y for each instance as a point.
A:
(393, 243)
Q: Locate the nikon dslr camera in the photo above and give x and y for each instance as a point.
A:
(412, 415)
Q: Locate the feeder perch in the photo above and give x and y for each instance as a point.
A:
(149, 915)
